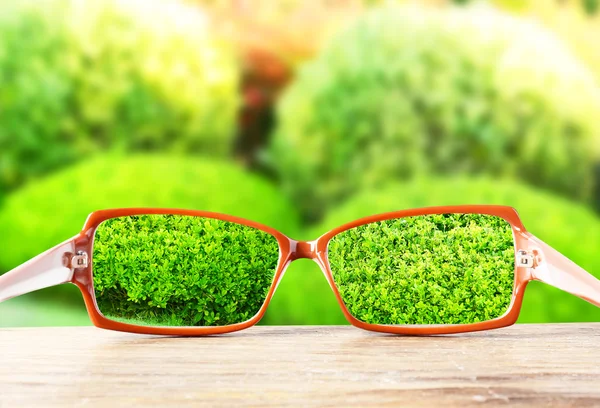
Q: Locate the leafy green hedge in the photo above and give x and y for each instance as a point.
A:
(407, 91)
(49, 211)
(434, 269)
(170, 270)
(77, 77)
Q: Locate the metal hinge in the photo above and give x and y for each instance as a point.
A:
(79, 260)
(525, 259)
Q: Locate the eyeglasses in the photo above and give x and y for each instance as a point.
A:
(425, 271)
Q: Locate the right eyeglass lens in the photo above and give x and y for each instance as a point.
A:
(425, 270)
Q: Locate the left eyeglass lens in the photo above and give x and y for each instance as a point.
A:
(174, 270)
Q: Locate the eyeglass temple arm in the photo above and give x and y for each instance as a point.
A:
(47, 269)
(554, 268)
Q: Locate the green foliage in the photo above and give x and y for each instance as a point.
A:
(591, 6)
(435, 269)
(78, 77)
(303, 296)
(407, 91)
(571, 228)
(25, 311)
(169, 270)
(50, 211)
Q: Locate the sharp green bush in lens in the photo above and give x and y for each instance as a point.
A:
(431, 269)
(171, 270)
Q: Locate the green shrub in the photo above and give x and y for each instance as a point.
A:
(434, 269)
(77, 77)
(54, 209)
(571, 228)
(591, 6)
(170, 270)
(408, 91)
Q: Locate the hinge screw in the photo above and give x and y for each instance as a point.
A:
(79, 260)
(525, 259)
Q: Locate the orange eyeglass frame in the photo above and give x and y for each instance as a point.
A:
(72, 261)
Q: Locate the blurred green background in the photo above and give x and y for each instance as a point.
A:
(299, 115)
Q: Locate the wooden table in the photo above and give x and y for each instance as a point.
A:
(556, 365)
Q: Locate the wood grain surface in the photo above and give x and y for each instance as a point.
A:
(524, 365)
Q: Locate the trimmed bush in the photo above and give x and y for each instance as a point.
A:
(78, 77)
(409, 91)
(434, 269)
(49, 211)
(571, 228)
(171, 270)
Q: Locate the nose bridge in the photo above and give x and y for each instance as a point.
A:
(304, 249)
